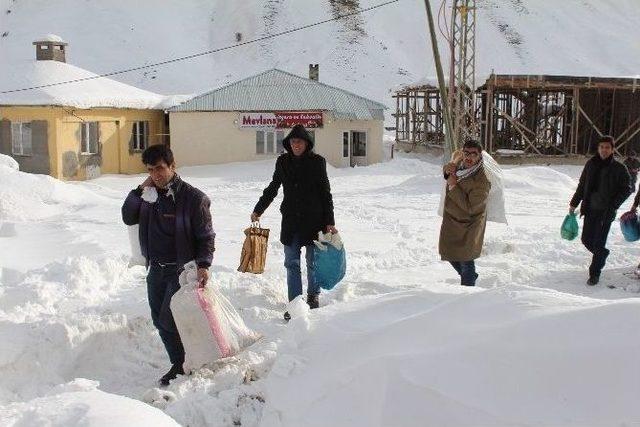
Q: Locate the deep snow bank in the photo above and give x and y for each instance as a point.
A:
(500, 357)
(80, 404)
(31, 197)
(8, 161)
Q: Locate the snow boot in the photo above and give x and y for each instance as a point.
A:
(313, 301)
(175, 370)
(593, 280)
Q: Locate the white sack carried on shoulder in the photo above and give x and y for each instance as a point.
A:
(495, 204)
(210, 328)
(134, 243)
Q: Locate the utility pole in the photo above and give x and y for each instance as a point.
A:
(449, 145)
(458, 102)
(462, 83)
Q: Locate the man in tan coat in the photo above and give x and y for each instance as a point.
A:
(465, 211)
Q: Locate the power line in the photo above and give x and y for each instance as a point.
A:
(208, 52)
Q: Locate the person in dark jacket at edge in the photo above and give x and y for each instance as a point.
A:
(173, 230)
(604, 185)
(307, 208)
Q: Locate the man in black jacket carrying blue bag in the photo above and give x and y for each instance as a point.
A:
(604, 185)
(306, 209)
(174, 229)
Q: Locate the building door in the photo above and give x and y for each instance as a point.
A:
(346, 149)
(358, 148)
(109, 148)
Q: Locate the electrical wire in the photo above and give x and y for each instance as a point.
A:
(208, 52)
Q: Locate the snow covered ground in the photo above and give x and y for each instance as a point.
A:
(398, 343)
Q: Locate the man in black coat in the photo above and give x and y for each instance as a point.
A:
(604, 185)
(307, 208)
(173, 230)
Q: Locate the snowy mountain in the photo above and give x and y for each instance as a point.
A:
(371, 53)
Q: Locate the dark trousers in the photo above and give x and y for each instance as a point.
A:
(594, 237)
(292, 264)
(162, 283)
(467, 272)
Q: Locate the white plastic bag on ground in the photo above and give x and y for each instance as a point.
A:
(134, 242)
(495, 204)
(210, 328)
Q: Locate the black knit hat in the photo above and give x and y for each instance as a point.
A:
(298, 131)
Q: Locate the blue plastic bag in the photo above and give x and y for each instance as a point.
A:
(630, 227)
(570, 228)
(330, 261)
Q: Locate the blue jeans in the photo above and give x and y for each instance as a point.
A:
(467, 272)
(292, 264)
(162, 283)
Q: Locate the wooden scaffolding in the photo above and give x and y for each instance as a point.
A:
(418, 115)
(539, 115)
(551, 115)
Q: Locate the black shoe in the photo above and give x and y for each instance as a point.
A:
(175, 370)
(593, 280)
(313, 301)
(287, 316)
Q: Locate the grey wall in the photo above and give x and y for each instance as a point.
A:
(38, 162)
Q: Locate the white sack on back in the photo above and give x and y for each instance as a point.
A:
(134, 243)
(210, 328)
(495, 204)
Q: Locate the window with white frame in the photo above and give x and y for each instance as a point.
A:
(89, 137)
(140, 135)
(21, 141)
(269, 142)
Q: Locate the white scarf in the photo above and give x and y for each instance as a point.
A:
(463, 173)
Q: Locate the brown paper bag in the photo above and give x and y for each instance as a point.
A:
(254, 250)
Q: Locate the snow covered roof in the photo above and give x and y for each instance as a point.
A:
(51, 38)
(279, 90)
(95, 93)
(422, 82)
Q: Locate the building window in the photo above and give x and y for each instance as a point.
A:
(140, 135)
(345, 144)
(358, 144)
(279, 138)
(89, 141)
(260, 142)
(21, 139)
(269, 142)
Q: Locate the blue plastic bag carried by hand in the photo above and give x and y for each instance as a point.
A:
(330, 260)
(630, 227)
(570, 228)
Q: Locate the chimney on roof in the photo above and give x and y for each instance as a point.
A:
(314, 72)
(50, 48)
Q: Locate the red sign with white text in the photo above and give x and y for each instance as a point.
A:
(308, 119)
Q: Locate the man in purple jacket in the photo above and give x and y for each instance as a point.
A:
(173, 230)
